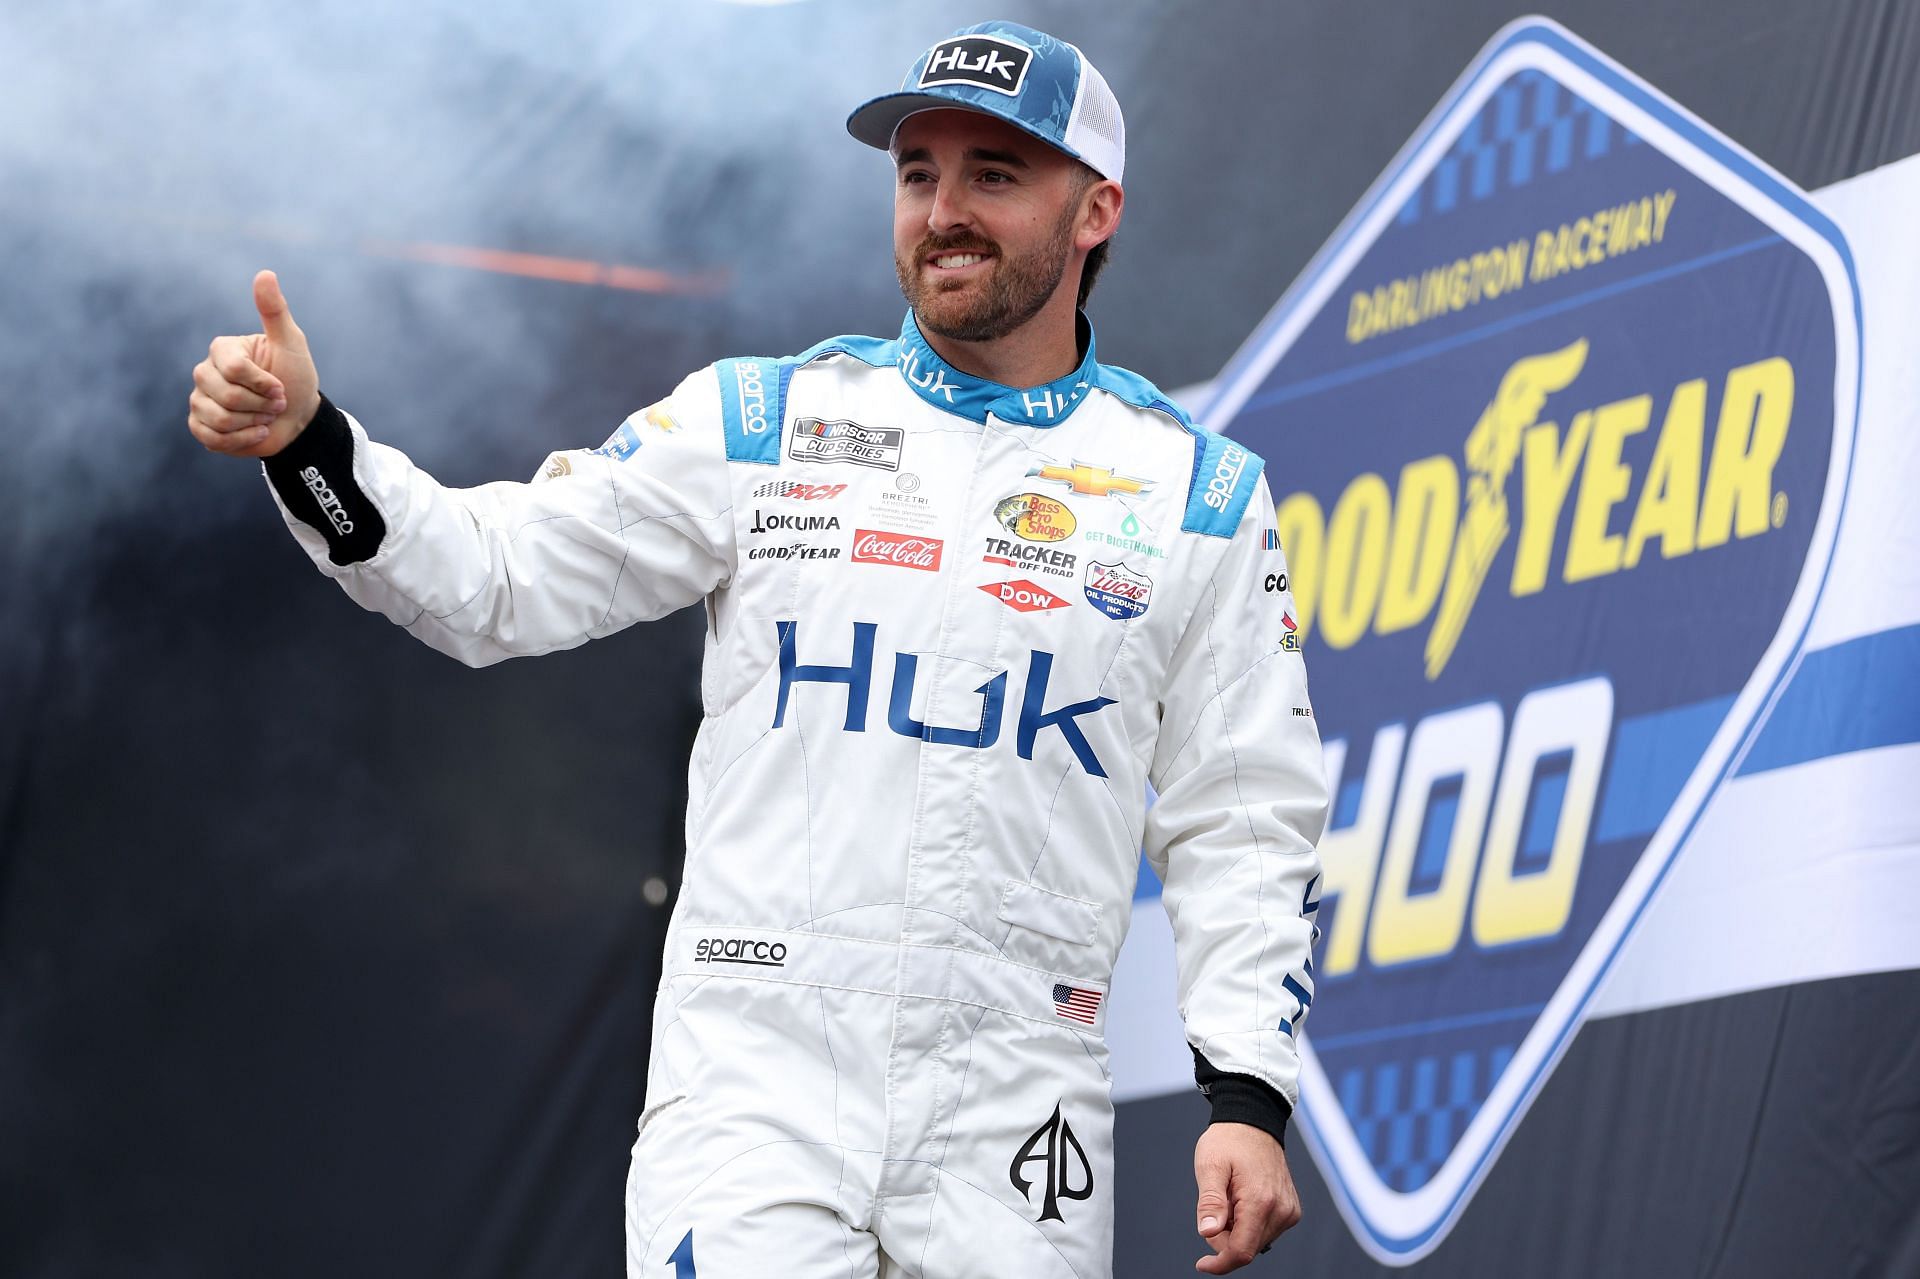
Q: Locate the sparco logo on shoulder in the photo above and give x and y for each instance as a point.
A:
(1054, 1147)
(740, 950)
(753, 396)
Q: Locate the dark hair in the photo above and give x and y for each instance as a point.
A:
(1084, 177)
(1096, 259)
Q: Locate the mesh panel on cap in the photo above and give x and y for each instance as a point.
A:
(1099, 110)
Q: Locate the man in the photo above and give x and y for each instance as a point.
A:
(968, 592)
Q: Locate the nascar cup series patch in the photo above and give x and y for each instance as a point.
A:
(1561, 419)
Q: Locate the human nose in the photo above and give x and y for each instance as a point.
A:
(949, 210)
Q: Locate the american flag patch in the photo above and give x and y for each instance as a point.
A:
(1076, 1003)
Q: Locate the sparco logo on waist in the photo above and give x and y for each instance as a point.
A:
(1000, 65)
(740, 950)
(753, 397)
(329, 503)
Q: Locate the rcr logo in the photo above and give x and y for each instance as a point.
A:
(753, 397)
(1226, 477)
(740, 950)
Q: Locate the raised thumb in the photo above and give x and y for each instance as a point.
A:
(275, 318)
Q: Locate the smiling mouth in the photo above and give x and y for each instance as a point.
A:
(956, 261)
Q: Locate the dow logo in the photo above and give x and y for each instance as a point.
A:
(1566, 408)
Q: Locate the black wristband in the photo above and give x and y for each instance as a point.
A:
(1242, 1099)
(314, 477)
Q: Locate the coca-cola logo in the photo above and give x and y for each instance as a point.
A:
(897, 549)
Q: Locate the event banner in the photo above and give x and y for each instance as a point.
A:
(1560, 424)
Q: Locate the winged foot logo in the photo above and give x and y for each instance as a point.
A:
(1552, 548)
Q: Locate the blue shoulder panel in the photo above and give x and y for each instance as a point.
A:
(753, 395)
(879, 352)
(1139, 392)
(1225, 475)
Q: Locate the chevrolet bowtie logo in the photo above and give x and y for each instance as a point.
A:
(1094, 481)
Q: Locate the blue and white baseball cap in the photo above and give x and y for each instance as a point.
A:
(1025, 77)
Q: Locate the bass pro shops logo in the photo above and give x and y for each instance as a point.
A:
(1061, 1163)
(1567, 407)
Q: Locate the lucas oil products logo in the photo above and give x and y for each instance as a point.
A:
(1552, 545)
(875, 446)
(1118, 591)
(1034, 518)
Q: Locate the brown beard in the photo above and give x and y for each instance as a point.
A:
(1016, 290)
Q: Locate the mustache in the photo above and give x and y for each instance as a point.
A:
(957, 243)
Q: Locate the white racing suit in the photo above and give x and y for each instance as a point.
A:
(954, 632)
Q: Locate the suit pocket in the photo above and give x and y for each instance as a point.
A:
(1055, 914)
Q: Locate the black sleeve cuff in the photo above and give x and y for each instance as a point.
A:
(1242, 1099)
(314, 477)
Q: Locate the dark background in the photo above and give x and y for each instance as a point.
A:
(321, 954)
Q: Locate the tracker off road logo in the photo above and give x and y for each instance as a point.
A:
(1565, 412)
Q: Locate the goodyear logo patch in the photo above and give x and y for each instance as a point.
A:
(1560, 424)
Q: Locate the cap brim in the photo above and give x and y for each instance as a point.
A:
(873, 122)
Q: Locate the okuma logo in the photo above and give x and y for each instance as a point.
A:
(1566, 409)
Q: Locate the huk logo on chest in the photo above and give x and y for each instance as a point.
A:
(1054, 1147)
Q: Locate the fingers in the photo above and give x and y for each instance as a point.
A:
(235, 396)
(1212, 1213)
(1252, 1214)
(275, 317)
(231, 442)
(234, 359)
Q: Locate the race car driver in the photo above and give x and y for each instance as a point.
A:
(969, 592)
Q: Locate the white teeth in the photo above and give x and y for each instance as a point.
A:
(952, 260)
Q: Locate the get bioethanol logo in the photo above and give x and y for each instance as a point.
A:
(1564, 412)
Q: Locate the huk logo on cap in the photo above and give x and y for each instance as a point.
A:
(982, 61)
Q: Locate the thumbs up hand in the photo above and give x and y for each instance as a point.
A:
(252, 395)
